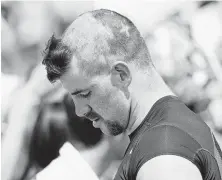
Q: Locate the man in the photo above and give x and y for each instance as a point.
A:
(103, 62)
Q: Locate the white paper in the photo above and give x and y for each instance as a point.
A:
(69, 165)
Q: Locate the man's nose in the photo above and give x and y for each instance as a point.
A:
(81, 109)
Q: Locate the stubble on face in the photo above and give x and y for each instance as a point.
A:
(109, 104)
(114, 127)
(106, 101)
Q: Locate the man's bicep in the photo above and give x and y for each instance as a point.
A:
(170, 167)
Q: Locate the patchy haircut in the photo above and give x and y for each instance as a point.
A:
(127, 40)
(57, 58)
(97, 39)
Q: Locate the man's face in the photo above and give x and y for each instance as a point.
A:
(98, 100)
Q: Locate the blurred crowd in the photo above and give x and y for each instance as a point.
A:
(186, 48)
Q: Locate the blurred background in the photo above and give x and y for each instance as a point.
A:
(185, 43)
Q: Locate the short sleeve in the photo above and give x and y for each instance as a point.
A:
(161, 140)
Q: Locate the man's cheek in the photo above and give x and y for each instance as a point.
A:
(101, 102)
(98, 106)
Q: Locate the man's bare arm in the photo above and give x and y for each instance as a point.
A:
(16, 142)
(169, 167)
(22, 119)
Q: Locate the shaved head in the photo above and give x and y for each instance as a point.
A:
(97, 60)
(96, 39)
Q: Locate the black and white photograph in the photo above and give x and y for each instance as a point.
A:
(111, 90)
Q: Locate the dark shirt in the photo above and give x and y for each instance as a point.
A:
(171, 128)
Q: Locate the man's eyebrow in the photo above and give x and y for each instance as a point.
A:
(77, 91)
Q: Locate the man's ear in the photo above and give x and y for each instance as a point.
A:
(121, 75)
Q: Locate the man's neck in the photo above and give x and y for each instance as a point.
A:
(143, 102)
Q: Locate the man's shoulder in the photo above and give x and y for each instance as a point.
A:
(162, 140)
(165, 137)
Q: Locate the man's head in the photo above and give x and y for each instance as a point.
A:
(96, 59)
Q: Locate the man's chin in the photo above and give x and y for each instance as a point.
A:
(109, 133)
(110, 130)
